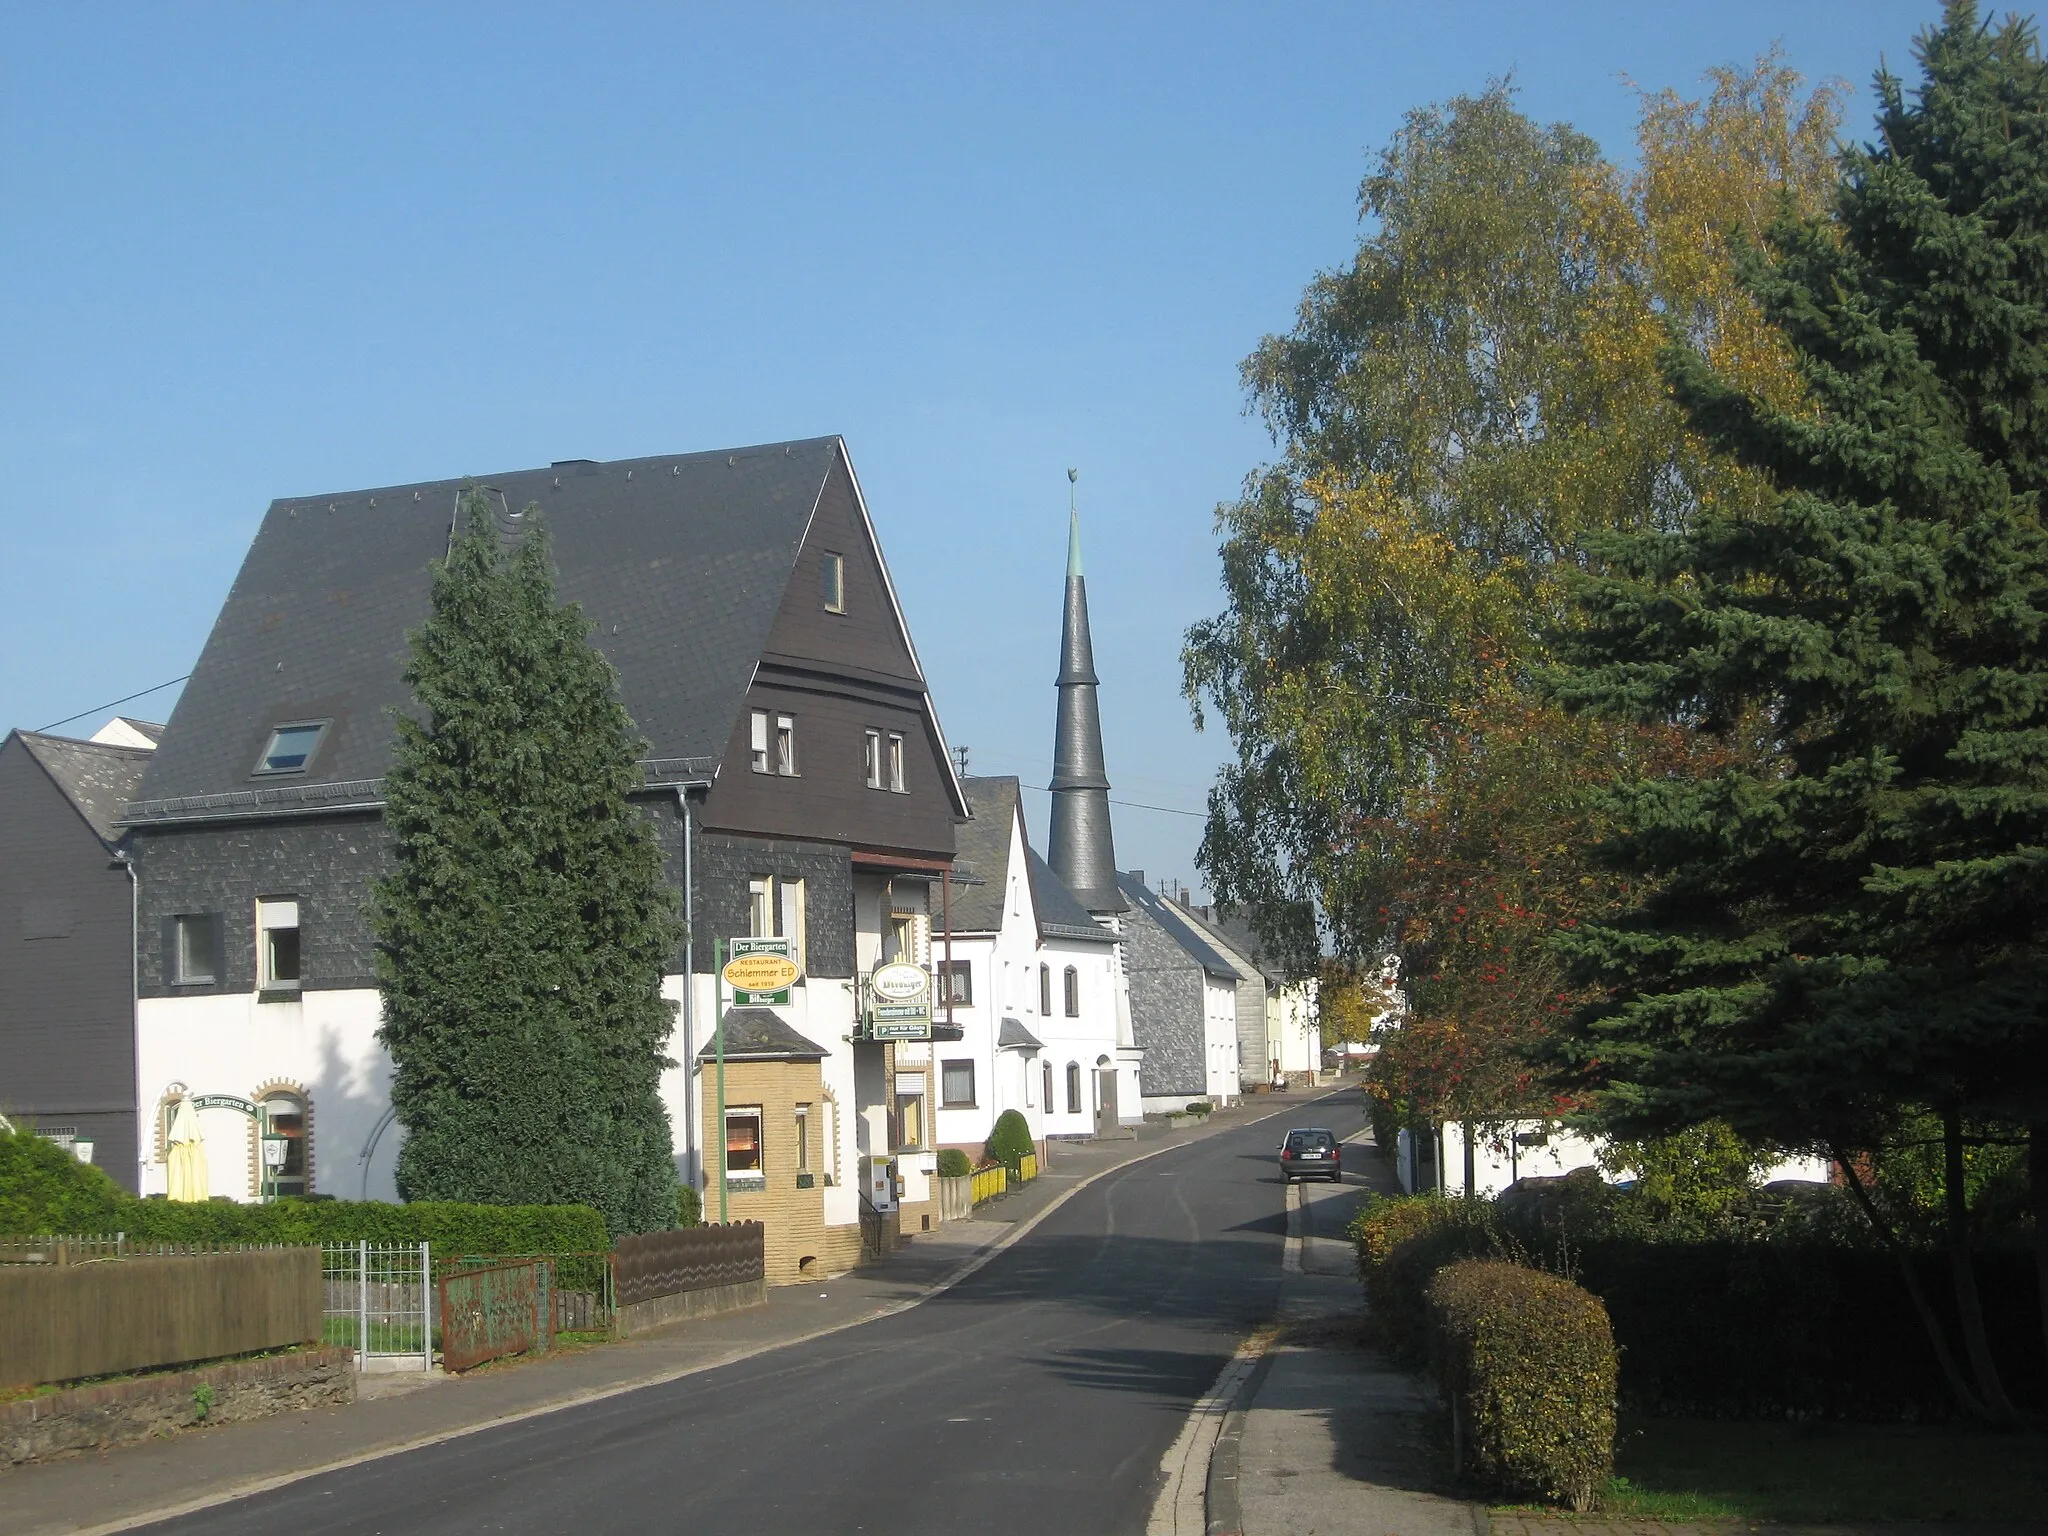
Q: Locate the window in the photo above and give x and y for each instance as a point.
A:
(277, 945)
(832, 582)
(874, 759)
(896, 761)
(1045, 1071)
(285, 1167)
(757, 740)
(899, 939)
(909, 1120)
(1073, 1087)
(291, 747)
(761, 907)
(803, 1139)
(956, 982)
(743, 1141)
(193, 945)
(956, 1084)
(1045, 991)
(785, 746)
(1073, 993)
(789, 917)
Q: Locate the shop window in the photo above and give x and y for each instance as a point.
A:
(743, 1141)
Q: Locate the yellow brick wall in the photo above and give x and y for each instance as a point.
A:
(794, 1218)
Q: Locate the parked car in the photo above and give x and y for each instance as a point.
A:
(1312, 1152)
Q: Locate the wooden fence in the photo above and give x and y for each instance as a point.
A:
(655, 1264)
(62, 1322)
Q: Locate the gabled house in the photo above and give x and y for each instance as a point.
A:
(67, 948)
(1030, 980)
(796, 776)
(1279, 1032)
(1184, 1000)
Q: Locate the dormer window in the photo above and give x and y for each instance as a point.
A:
(832, 582)
(291, 747)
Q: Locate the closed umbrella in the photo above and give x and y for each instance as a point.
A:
(187, 1171)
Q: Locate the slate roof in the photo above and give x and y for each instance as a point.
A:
(98, 778)
(983, 849)
(681, 561)
(1013, 1036)
(758, 1034)
(1177, 927)
(1235, 946)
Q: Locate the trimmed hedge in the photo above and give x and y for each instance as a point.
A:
(451, 1226)
(1010, 1142)
(954, 1164)
(1527, 1363)
(1402, 1242)
(44, 1188)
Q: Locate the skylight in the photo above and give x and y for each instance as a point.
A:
(291, 747)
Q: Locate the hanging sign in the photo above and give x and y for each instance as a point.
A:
(903, 1001)
(761, 972)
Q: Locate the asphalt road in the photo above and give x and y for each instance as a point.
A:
(1037, 1396)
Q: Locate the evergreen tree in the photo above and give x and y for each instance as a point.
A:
(1849, 924)
(523, 932)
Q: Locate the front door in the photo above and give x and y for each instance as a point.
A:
(1105, 1101)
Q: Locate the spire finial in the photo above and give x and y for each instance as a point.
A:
(1073, 524)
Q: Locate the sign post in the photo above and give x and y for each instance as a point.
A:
(718, 1035)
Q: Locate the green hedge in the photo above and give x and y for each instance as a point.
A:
(1402, 1242)
(1010, 1142)
(44, 1189)
(452, 1227)
(954, 1164)
(1528, 1364)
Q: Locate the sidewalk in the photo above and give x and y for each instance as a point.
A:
(1333, 1440)
(129, 1485)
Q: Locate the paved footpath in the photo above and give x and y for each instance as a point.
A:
(129, 1485)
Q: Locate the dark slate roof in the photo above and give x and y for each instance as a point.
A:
(1014, 1036)
(98, 778)
(1174, 922)
(1232, 946)
(147, 728)
(981, 848)
(1060, 913)
(1238, 934)
(680, 560)
(758, 1034)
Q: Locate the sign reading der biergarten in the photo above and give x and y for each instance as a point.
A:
(902, 1001)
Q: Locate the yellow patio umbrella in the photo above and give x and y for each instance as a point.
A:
(187, 1163)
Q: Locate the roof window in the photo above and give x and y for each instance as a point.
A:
(291, 747)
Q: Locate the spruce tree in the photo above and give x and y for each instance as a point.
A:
(523, 931)
(1850, 925)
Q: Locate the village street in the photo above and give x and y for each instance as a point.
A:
(1038, 1395)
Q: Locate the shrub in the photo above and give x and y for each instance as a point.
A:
(451, 1226)
(1402, 1242)
(689, 1207)
(954, 1164)
(44, 1189)
(1010, 1142)
(1526, 1361)
(1200, 1107)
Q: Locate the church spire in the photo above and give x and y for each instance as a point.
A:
(1082, 853)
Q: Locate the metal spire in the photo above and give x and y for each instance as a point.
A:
(1082, 852)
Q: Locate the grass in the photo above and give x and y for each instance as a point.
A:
(1695, 1469)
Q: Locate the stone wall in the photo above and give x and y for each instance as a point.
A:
(1166, 1009)
(117, 1412)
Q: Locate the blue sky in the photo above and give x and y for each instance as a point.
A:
(253, 251)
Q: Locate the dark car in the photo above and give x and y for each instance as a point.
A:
(1311, 1153)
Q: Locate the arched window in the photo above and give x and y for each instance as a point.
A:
(284, 1161)
(1047, 1069)
(1073, 1087)
(1073, 993)
(1045, 991)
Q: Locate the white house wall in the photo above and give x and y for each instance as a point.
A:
(324, 1045)
(1499, 1158)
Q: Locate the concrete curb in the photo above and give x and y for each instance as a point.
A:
(960, 1272)
(1220, 1491)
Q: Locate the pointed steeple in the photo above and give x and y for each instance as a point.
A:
(1082, 851)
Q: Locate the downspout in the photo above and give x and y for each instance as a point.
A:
(692, 1155)
(134, 996)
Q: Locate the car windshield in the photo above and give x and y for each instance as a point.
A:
(1311, 1141)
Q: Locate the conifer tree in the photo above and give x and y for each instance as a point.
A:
(523, 931)
(1848, 924)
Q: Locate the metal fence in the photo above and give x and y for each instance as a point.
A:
(488, 1312)
(379, 1301)
(579, 1282)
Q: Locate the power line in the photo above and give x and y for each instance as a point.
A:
(159, 688)
(1135, 805)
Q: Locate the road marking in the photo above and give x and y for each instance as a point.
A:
(1290, 1252)
(253, 1486)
